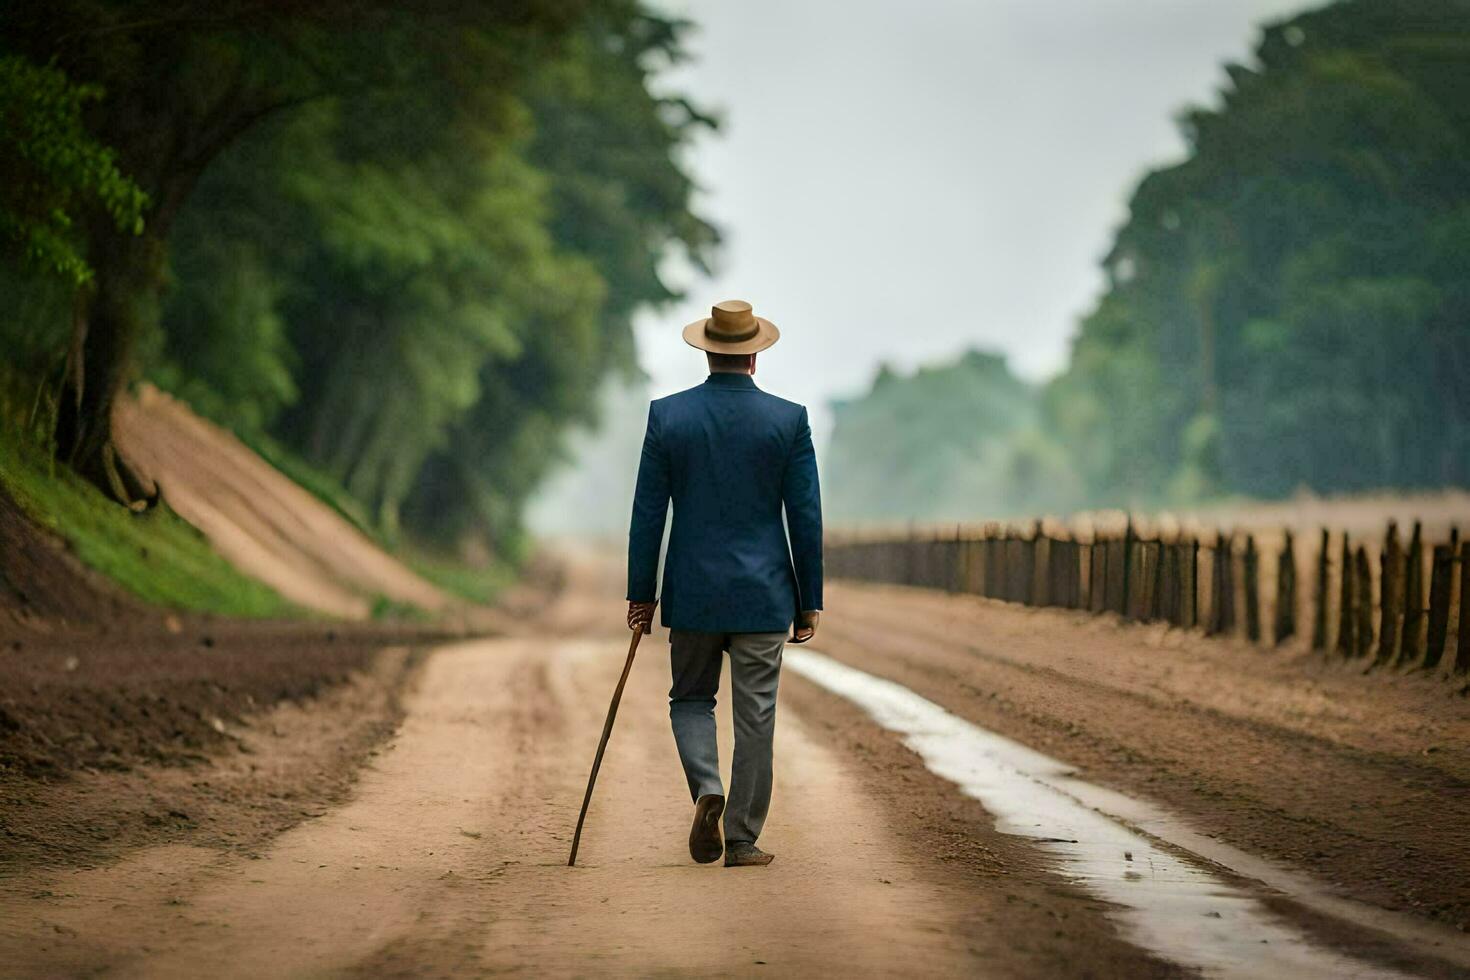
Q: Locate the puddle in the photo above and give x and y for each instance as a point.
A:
(1171, 906)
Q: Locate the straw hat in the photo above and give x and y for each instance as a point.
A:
(731, 328)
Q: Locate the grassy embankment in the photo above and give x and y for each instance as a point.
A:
(156, 555)
(163, 559)
(477, 585)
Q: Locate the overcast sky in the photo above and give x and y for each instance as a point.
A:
(899, 181)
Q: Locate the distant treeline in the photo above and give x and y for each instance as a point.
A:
(1289, 307)
(403, 242)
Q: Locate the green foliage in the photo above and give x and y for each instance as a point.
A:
(385, 608)
(478, 584)
(609, 148)
(397, 246)
(950, 442)
(1288, 306)
(227, 350)
(180, 90)
(54, 170)
(441, 301)
(156, 556)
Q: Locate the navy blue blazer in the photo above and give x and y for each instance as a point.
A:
(731, 457)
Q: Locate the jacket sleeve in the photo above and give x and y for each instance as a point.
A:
(650, 507)
(802, 498)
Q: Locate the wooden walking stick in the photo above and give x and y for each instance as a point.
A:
(612, 712)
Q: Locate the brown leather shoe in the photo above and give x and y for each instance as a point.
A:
(744, 854)
(704, 837)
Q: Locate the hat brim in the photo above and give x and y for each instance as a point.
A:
(766, 334)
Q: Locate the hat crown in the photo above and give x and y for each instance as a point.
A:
(731, 320)
(731, 328)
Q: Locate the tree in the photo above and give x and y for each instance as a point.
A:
(54, 169)
(1288, 305)
(620, 202)
(181, 83)
(419, 302)
(955, 441)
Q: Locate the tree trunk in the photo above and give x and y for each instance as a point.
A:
(110, 317)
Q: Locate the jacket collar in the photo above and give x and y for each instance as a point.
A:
(722, 379)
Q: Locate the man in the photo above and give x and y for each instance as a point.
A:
(732, 458)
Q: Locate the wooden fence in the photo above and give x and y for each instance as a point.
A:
(1403, 606)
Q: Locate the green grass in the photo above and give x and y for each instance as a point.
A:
(164, 560)
(157, 556)
(479, 585)
(385, 608)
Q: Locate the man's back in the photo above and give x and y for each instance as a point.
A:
(733, 460)
(730, 457)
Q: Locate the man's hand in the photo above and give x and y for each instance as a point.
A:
(805, 626)
(640, 616)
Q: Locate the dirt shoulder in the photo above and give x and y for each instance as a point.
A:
(1363, 781)
(449, 858)
(259, 519)
(221, 734)
(122, 724)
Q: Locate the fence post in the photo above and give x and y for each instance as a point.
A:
(1057, 580)
(959, 563)
(1128, 539)
(1439, 602)
(1348, 595)
(1156, 581)
(1114, 587)
(1411, 642)
(1034, 568)
(1462, 648)
(1226, 559)
(1082, 558)
(1003, 564)
(1319, 598)
(1364, 591)
(1168, 582)
(1222, 587)
(1076, 550)
(1097, 574)
(933, 560)
(1189, 584)
(1285, 625)
(1067, 572)
(1048, 562)
(998, 577)
(1011, 561)
(1250, 571)
(981, 558)
(1391, 600)
(1140, 577)
(961, 560)
(982, 561)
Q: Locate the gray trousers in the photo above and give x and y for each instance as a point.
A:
(755, 668)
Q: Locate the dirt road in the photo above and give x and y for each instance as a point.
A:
(448, 858)
(451, 858)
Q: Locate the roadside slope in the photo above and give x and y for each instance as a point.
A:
(258, 518)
